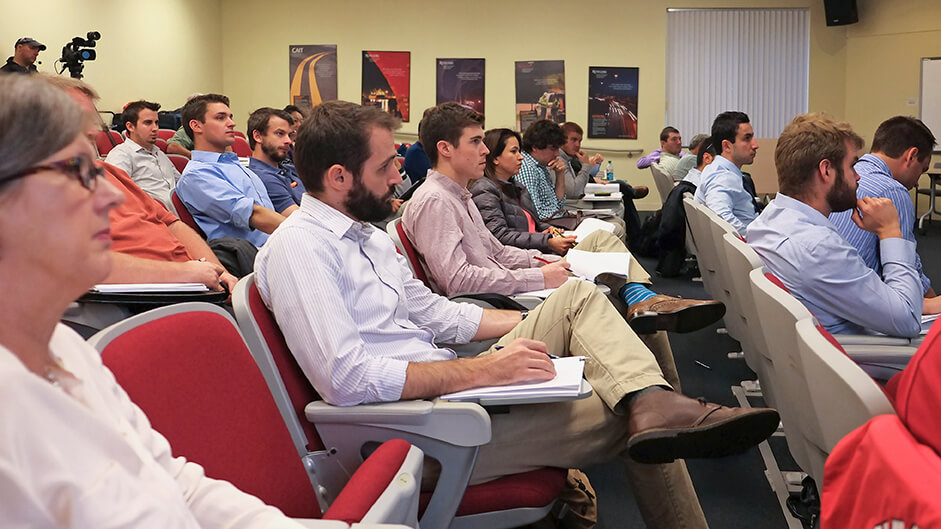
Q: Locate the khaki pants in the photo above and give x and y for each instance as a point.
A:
(579, 320)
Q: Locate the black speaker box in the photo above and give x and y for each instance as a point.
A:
(841, 12)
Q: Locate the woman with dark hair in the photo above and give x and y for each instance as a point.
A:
(74, 450)
(505, 204)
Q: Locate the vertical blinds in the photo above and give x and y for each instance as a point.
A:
(752, 60)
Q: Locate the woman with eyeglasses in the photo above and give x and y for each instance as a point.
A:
(505, 204)
(74, 450)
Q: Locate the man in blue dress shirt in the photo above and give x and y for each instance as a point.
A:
(900, 153)
(269, 136)
(722, 189)
(798, 243)
(226, 199)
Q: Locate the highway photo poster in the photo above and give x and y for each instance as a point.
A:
(460, 80)
(386, 81)
(313, 69)
(540, 92)
(612, 102)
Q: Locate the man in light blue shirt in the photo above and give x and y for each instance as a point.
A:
(901, 152)
(271, 139)
(226, 199)
(814, 160)
(722, 188)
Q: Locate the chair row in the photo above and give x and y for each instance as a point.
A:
(106, 140)
(817, 382)
(184, 384)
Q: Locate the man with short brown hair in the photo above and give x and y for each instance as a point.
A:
(814, 159)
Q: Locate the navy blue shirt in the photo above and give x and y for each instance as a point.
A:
(284, 187)
(416, 162)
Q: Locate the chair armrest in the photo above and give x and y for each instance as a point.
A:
(449, 432)
(881, 354)
(870, 339)
(461, 424)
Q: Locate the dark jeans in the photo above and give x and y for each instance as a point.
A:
(631, 219)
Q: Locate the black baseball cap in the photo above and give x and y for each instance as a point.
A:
(30, 41)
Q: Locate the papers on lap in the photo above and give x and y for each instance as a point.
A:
(926, 321)
(150, 287)
(589, 226)
(544, 293)
(590, 264)
(567, 383)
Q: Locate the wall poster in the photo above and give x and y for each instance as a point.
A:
(386, 81)
(612, 102)
(461, 80)
(540, 92)
(313, 71)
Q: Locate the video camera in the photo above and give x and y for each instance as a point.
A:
(75, 53)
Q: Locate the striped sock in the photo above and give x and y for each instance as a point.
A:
(635, 293)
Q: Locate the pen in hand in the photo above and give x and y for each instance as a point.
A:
(550, 355)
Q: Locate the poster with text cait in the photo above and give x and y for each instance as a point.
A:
(540, 92)
(386, 81)
(313, 70)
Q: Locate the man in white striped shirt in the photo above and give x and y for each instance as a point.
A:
(363, 330)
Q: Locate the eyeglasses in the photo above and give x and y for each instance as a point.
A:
(78, 167)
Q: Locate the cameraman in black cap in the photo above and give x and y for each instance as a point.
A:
(24, 55)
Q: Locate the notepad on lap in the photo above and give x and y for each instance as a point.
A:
(590, 264)
(589, 226)
(125, 288)
(567, 383)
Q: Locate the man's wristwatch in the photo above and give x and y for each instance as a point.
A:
(523, 315)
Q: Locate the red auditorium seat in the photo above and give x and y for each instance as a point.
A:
(507, 502)
(234, 430)
(107, 140)
(179, 161)
(185, 215)
(241, 147)
(165, 134)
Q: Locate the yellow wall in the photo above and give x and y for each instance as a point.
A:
(166, 50)
(613, 33)
(883, 63)
(161, 51)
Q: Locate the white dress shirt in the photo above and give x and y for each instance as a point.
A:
(89, 458)
(151, 170)
(349, 308)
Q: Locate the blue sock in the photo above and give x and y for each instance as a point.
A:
(635, 293)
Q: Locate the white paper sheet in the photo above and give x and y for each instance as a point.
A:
(567, 383)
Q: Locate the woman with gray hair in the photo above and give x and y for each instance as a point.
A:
(74, 450)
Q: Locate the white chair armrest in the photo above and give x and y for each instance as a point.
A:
(870, 339)
(461, 424)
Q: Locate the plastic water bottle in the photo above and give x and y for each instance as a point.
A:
(609, 171)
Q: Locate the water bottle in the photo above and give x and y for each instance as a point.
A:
(609, 171)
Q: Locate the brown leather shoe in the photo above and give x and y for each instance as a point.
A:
(665, 425)
(666, 313)
(640, 191)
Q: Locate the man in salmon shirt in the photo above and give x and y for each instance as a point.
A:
(151, 245)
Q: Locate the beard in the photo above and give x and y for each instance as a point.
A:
(273, 153)
(841, 196)
(367, 207)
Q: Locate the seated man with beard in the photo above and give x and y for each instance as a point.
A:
(271, 139)
(798, 243)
